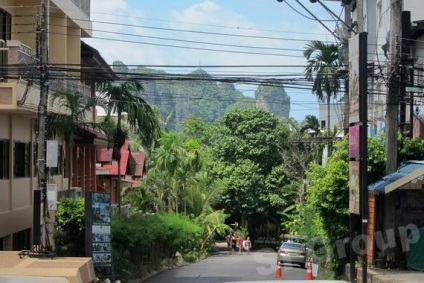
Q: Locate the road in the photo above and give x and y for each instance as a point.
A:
(221, 267)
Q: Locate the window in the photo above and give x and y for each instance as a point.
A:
(57, 170)
(4, 159)
(323, 124)
(5, 25)
(5, 34)
(21, 159)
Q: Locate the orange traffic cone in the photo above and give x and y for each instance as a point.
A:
(308, 275)
(279, 271)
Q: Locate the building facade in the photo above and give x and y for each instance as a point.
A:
(68, 22)
(393, 201)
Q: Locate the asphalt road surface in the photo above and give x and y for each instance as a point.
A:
(222, 267)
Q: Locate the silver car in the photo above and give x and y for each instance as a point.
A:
(290, 252)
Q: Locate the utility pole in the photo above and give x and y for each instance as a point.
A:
(41, 129)
(392, 107)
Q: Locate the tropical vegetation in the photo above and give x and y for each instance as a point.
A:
(248, 169)
(125, 98)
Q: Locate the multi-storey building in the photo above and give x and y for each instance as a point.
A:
(396, 200)
(67, 22)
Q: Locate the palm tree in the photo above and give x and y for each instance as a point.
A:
(323, 62)
(310, 125)
(76, 107)
(141, 118)
(190, 164)
(167, 158)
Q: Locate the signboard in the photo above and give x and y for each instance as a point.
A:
(354, 79)
(98, 229)
(52, 196)
(314, 269)
(354, 187)
(414, 89)
(354, 134)
(51, 153)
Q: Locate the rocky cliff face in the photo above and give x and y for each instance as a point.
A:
(200, 94)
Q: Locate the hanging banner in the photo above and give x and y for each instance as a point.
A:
(354, 79)
(354, 187)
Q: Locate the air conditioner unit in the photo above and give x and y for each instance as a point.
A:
(8, 100)
(126, 210)
(76, 192)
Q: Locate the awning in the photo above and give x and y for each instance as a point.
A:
(408, 172)
(91, 136)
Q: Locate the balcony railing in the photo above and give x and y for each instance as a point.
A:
(23, 63)
(20, 65)
(60, 81)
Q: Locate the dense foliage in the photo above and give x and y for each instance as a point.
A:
(144, 241)
(246, 146)
(326, 210)
(69, 236)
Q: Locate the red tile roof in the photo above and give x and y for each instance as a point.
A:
(113, 168)
(103, 154)
(137, 160)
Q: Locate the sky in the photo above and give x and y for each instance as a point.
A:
(246, 38)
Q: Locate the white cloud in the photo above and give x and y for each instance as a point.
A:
(198, 13)
(202, 18)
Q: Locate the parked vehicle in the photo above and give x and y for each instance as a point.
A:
(291, 252)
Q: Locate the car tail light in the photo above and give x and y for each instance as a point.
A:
(302, 253)
(282, 252)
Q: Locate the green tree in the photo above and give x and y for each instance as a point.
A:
(191, 163)
(310, 126)
(76, 107)
(323, 62)
(246, 155)
(123, 98)
(327, 199)
(410, 149)
(166, 159)
(176, 162)
(69, 233)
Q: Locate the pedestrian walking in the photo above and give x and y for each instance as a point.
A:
(233, 244)
(228, 239)
(240, 244)
(247, 245)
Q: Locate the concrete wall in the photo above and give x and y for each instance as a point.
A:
(16, 193)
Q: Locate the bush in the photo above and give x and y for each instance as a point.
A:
(143, 241)
(69, 236)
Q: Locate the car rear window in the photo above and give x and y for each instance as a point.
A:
(293, 246)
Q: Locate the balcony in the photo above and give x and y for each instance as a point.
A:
(80, 15)
(19, 83)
